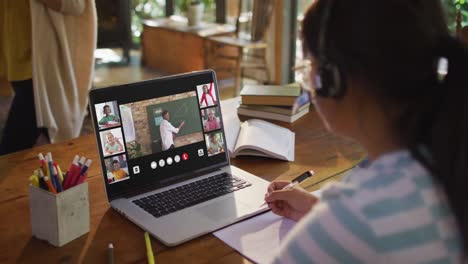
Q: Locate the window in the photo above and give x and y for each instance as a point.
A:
(145, 9)
(302, 6)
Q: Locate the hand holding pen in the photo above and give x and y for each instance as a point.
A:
(290, 202)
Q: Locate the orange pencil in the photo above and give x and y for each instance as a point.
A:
(49, 184)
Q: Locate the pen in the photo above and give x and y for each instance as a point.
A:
(302, 177)
(110, 254)
(59, 186)
(43, 162)
(82, 161)
(42, 183)
(74, 167)
(74, 162)
(75, 176)
(85, 168)
(49, 184)
(50, 170)
(296, 181)
(149, 250)
(79, 178)
(59, 172)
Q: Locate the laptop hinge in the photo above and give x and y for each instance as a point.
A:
(167, 182)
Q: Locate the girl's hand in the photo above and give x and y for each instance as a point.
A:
(292, 203)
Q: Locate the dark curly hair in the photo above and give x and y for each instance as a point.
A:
(395, 45)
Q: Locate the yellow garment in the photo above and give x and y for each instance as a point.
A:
(119, 175)
(15, 40)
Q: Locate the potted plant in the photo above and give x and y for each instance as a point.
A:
(454, 8)
(195, 10)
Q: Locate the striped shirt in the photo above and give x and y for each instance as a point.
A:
(390, 212)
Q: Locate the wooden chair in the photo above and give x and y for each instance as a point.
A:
(249, 48)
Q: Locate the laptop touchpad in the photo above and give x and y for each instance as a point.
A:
(223, 209)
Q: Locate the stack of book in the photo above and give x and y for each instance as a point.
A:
(274, 102)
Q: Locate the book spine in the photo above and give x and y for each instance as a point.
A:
(272, 116)
(284, 110)
(268, 100)
(260, 114)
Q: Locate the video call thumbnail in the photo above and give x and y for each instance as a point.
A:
(211, 119)
(117, 169)
(159, 124)
(107, 115)
(214, 143)
(206, 95)
(112, 141)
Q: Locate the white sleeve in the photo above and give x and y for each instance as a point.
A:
(326, 236)
(172, 128)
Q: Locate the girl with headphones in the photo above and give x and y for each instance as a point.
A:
(387, 74)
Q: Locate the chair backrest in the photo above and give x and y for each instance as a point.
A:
(260, 20)
(261, 17)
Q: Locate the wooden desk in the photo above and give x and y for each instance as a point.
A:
(169, 45)
(315, 149)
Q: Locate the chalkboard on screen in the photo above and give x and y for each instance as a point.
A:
(185, 109)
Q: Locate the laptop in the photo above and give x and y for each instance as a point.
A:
(164, 157)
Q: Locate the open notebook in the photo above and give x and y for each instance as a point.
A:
(259, 237)
(255, 137)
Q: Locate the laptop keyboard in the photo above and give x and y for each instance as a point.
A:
(176, 199)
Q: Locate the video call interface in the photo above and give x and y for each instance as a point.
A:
(160, 136)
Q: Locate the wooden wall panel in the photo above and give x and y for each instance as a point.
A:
(172, 51)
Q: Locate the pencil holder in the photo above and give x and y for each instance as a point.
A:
(59, 218)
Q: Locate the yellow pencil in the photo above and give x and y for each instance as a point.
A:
(149, 250)
(47, 171)
(59, 171)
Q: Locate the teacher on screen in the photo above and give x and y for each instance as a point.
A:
(168, 131)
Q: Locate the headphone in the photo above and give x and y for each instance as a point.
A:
(330, 79)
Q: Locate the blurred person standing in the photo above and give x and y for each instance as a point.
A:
(46, 53)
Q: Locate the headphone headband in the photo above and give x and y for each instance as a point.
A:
(331, 84)
(323, 30)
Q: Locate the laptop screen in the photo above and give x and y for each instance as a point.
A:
(158, 132)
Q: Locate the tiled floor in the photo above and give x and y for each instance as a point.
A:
(112, 74)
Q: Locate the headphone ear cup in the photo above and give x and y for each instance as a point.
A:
(331, 81)
(338, 89)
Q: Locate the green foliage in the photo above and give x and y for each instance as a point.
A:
(451, 7)
(183, 4)
(148, 9)
(144, 9)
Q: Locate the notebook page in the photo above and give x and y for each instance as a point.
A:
(258, 238)
(230, 121)
(273, 139)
